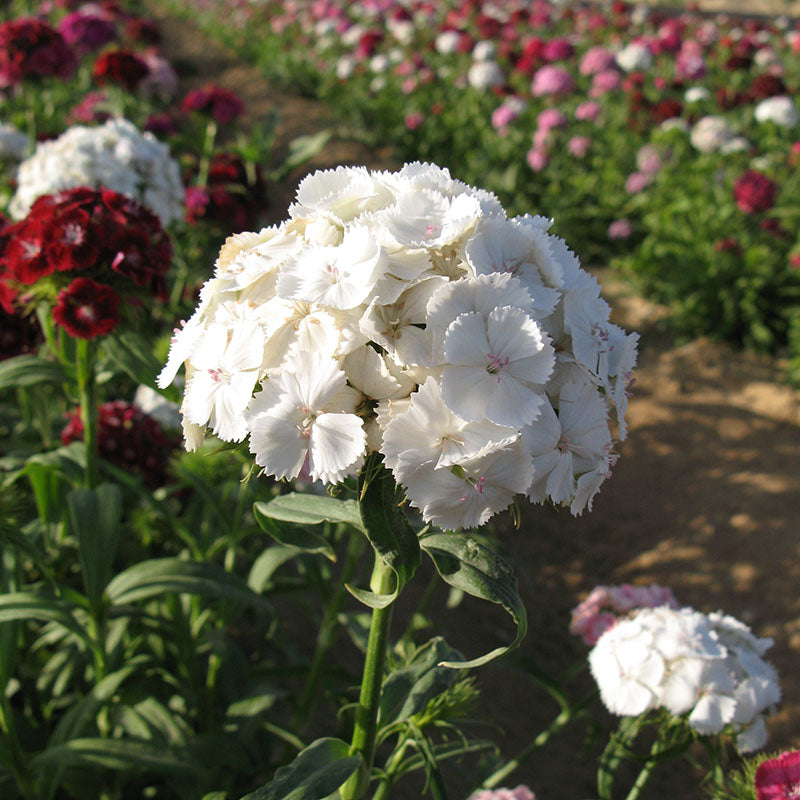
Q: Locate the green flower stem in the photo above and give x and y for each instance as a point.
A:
(85, 351)
(646, 771)
(327, 633)
(208, 149)
(363, 741)
(499, 775)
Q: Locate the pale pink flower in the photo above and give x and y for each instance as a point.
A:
(537, 159)
(414, 119)
(605, 81)
(637, 182)
(648, 159)
(597, 59)
(579, 145)
(520, 793)
(620, 229)
(588, 111)
(550, 80)
(551, 118)
(540, 139)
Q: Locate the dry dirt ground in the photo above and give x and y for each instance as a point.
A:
(705, 497)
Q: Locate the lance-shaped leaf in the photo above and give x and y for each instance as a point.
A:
(407, 691)
(299, 539)
(29, 371)
(95, 516)
(317, 772)
(473, 568)
(26, 605)
(388, 531)
(161, 576)
(133, 354)
(117, 754)
(310, 509)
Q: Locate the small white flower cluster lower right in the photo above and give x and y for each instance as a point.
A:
(706, 666)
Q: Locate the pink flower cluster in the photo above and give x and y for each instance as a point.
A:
(605, 605)
(520, 793)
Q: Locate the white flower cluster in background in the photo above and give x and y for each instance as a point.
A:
(405, 313)
(116, 155)
(708, 667)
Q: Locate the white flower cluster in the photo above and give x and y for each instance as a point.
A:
(405, 313)
(707, 666)
(714, 134)
(116, 155)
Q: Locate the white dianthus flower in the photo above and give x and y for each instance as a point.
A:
(402, 312)
(707, 668)
(781, 110)
(485, 75)
(711, 133)
(634, 57)
(115, 155)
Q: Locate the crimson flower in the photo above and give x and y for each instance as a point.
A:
(779, 778)
(221, 104)
(129, 439)
(754, 192)
(121, 67)
(86, 309)
(30, 48)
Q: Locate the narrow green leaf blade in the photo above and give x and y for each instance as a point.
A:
(30, 370)
(29, 606)
(116, 754)
(95, 516)
(292, 536)
(470, 566)
(160, 576)
(317, 772)
(304, 147)
(310, 509)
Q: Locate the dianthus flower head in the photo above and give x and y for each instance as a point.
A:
(31, 49)
(221, 104)
(122, 67)
(405, 313)
(551, 80)
(707, 669)
(754, 192)
(779, 778)
(86, 309)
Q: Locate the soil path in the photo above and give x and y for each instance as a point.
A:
(705, 498)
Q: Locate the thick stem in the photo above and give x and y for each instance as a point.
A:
(646, 771)
(87, 392)
(208, 150)
(363, 741)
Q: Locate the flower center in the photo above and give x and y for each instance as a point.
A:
(304, 428)
(496, 363)
(433, 230)
(31, 250)
(792, 791)
(73, 235)
(219, 375)
(86, 312)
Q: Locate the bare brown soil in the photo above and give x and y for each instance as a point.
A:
(705, 497)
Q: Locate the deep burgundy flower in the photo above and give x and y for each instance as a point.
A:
(161, 125)
(30, 48)
(773, 227)
(129, 439)
(18, 334)
(728, 98)
(764, 86)
(728, 245)
(779, 778)
(86, 309)
(667, 109)
(754, 192)
(221, 104)
(122, 67)
(736, 62)
(86, 32)
(25, 255)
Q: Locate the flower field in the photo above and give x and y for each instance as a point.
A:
(229, 448)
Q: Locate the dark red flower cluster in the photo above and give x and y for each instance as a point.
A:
(764, 86)
(122, 67)
(129, 439)
(117, 245)
(86, 31)
(30, 48)
(754, 192)
(18, 334)
(232, 197)
(221, 104)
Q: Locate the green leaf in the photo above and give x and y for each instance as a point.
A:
(26, 605)
(133, 354)
(388, 531)
(470, 566)
(117, 754)
(161, 576)
(292, 537)
(30, 370)
(95, 515)
(317, 772)
(267, 563)
(407, 691)
(304, 147)
(310, 509)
